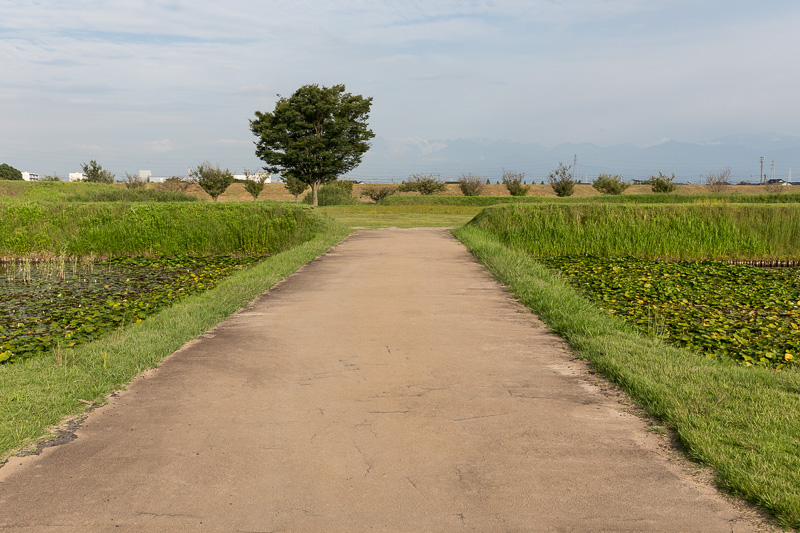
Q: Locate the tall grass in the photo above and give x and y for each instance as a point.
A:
(59, 191)
(154, 229)
(701, 199)
(721, 232)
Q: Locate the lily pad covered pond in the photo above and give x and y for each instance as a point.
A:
(748, 313)
(60, 304)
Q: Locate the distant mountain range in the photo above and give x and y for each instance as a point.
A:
(395, 159)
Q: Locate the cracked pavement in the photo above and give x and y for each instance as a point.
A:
(390, 385)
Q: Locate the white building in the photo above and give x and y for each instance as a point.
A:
(253, 177)
(30, 176)
(77, 176)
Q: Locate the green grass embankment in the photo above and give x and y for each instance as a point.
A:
(61, 191)
(401, 216)
(649, 198)
(151, 229)
(721, 232)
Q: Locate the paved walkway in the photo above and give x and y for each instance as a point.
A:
(389, 386)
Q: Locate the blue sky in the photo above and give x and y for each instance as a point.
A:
(165, 84)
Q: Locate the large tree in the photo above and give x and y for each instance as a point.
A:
(7, 172)
(315, 135)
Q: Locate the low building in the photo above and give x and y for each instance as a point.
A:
(30, 176)
(253, 177)
(77, 176)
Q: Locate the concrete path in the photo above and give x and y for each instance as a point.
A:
(391, 385)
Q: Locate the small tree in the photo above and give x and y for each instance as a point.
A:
(425, 184)
(7, 172)
(255, 183)
(315, 135)
(610, 184)
(377, 192)
(95, 173)
(134, 181)
(54, 177)
(718, 181)
(470, 185)
(295, 186)
(515, 183)
(561, 180)
(774, 186)
(176, 183)
(212, 179)
(661, 183)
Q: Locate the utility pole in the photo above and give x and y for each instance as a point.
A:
(773, 170)
(761, 175)
(575, 166)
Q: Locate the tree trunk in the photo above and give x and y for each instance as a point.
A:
(314, 188)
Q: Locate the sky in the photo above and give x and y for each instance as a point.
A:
(168, 84)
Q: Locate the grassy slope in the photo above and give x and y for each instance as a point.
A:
(745, 423)
(40, 392)
(164, 228)
(404, 216)
(685, 231)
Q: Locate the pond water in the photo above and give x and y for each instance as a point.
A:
(60, 303)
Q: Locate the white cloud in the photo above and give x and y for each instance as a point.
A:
(126, 72)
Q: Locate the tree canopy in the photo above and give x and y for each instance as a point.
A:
(7, 172)
(95, 173)
(315, 135)
(212, 179)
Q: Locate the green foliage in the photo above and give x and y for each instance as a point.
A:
(66, 304)
(295, 186)
(7, 172)
(661, 183)
(682, 232)
(332, 194)
(425, 184)
(162, 229)
(378, 192)
(747, 313)
(470, 185)
(610, 184)
(95, 173)
(212, 179)
(134, 181)
(561, 180)
(175, 184)
(254, 183)
(515, 183)
(478, 201)
(315, 135)
(62, 191)
(345, 184)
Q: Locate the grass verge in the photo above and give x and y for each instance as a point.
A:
(401, 216)
(743, 422)
(42, 391)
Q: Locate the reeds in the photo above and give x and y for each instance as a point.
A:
(45, 231)
(722, 232)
